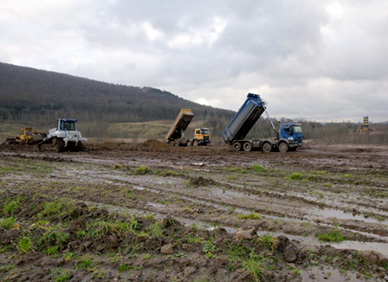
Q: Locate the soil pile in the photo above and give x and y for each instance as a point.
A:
(200, 181)
(155, 145)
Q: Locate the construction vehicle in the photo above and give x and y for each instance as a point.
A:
(176, 134)
(289, 138)
(65, 136)
(365, 126)
(201, 137)
(27, 136)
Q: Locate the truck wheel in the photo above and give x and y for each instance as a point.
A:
(247, 146)
(283, 147)
(267, 147)
(237, 146)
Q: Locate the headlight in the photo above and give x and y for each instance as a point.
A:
(291, 138)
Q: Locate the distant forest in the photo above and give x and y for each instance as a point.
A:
(31, 97)
(28, 94)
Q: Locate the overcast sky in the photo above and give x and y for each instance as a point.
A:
(317, 60)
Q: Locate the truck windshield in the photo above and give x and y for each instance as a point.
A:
(205, 131)
(297, 128)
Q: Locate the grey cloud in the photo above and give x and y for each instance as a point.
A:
(307, 62)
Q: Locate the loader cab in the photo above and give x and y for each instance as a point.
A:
(291, 132)
(66, 125)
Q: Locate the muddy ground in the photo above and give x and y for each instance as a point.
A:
(151, 212)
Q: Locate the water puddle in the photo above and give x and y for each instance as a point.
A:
(339, 214)
(320, 274)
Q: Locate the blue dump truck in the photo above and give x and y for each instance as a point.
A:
(289, 138)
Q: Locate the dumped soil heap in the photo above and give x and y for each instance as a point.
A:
(156, 146)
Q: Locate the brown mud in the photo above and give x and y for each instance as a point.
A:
(227, 200)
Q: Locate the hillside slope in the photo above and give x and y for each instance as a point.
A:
(28, 94)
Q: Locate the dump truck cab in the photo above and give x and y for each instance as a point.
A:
(202, 136)
(292, 132)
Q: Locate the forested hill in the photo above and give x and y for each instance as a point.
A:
(37, 95)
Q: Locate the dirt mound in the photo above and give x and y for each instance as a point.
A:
(200, 181)
(154, 146)
(153, 143)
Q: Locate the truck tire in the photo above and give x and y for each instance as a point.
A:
(283, 147)
(247, 146)
(267, 147)
(237, 146)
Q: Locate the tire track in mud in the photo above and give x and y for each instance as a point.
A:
(223, 204)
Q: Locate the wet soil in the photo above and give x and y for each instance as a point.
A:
(212, 193)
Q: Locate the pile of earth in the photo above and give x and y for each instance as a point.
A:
(200, 181)
(155, 145)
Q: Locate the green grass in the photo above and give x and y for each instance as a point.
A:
(155, 229)
(249, 216)
(268, 241)
(123, 267)
(24, 244)
(84, 262)
(57, 209)
(101, 228)
(332, 236)
(63, 277)
(53, 238)
(141, 170)
(7, 223)
(254, 266)
(296, 176)
(12, 206)
(257, 168)
(209, 247)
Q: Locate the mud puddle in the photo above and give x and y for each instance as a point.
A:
(381, 248)
(320, 273)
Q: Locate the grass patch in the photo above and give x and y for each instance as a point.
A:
(58, 209)
(7, 223)
(141, 170)
(12, 206)
(268, 241)
(254, 266)
(296, 176)
(249, 216)
(257, 168)
(101, 228)
(52, 239)
(117, 166)
(24, 244)
(84, 262)
(332, 236)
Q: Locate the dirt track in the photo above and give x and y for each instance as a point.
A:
(300, 195)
